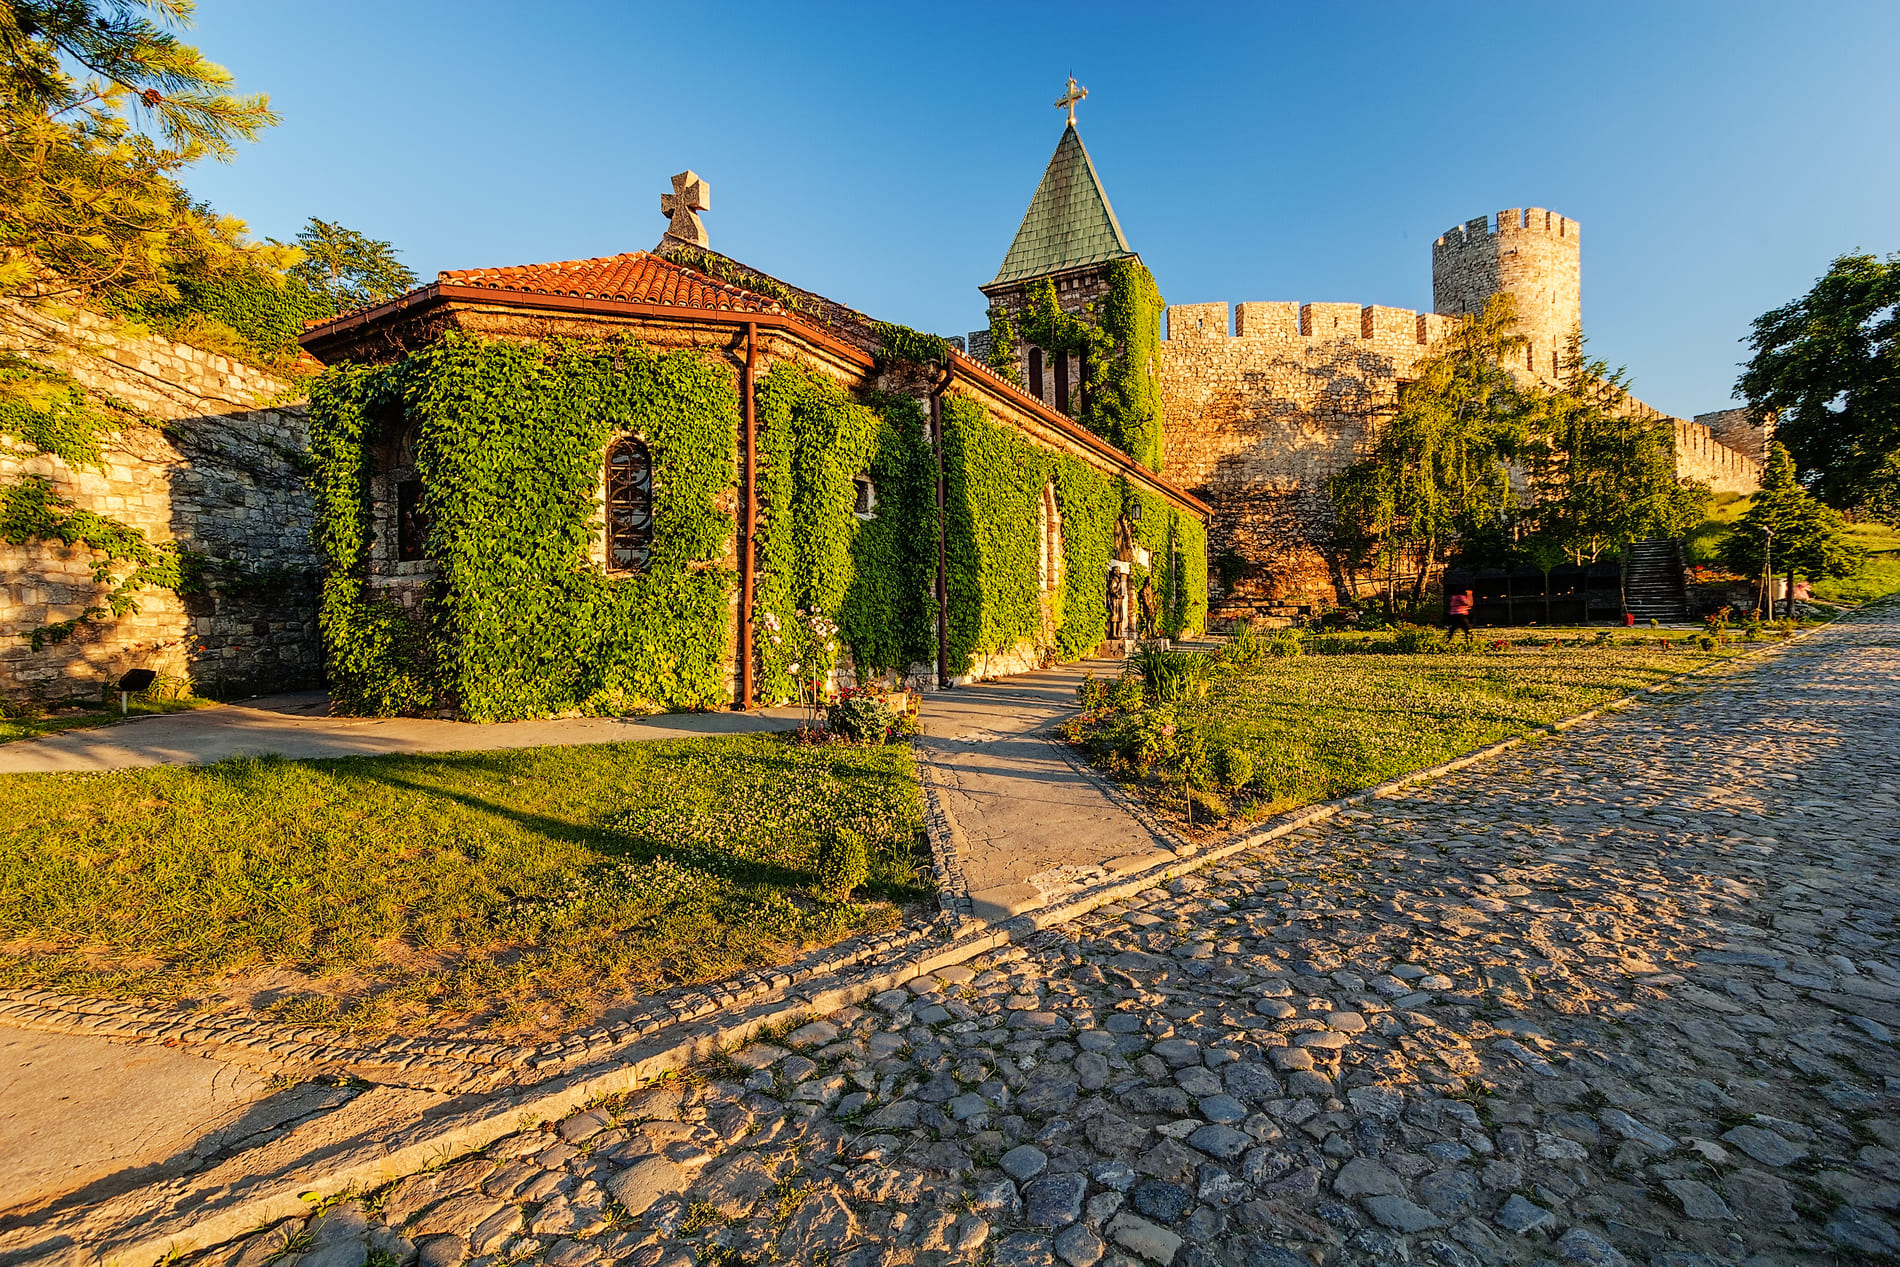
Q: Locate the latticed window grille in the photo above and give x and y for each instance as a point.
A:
(629, 505)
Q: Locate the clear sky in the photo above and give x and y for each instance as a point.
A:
(1716, 155)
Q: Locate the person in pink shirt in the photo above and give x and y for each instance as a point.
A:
(1458, 615)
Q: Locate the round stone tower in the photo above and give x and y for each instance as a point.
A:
(1530, 255)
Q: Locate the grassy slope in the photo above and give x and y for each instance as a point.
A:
(520, 887)
(1880, 575)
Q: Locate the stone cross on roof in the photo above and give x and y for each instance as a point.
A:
(1075, 93)
(689, 196)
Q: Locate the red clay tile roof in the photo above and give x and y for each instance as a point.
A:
(636, 277)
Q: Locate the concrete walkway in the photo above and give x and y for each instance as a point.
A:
(1025, 824)
(298, 725)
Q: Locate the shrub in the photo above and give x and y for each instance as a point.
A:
(1706, 642)
(1171, 677)
(1413, 639)
(1243, 648)
(1128, 692)
(861, 717)
(1093, 693)
(1211, 806)
(1285, 642)
(1233, 767)
(844, 863)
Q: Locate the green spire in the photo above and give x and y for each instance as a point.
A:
(1069, 222)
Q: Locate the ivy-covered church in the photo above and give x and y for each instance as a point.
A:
(661, 479)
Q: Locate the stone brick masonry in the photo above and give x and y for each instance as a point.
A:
(215, 468)
(1258, 420)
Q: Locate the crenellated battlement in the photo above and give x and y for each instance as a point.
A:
(1316, 322)
(1510, 222)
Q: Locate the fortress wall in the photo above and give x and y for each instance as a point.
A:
(215, 468)
(1257, 421)
(1701, 455)
(1740, 430)
(1530, 252)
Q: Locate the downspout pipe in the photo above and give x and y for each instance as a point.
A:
(943, 587)
(749, 479)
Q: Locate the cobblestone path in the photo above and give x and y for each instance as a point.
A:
(1623, 996)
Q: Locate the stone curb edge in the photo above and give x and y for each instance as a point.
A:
(551, 1101)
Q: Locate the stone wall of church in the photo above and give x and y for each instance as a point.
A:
(217, 469)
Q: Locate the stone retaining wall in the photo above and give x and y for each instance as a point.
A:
(217, 469)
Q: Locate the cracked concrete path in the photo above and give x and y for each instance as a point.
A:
(1026, 825)
(297, 724)
(81, 1114)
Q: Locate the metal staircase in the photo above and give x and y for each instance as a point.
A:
(1653, 584)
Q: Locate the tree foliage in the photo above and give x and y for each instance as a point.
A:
(1478, 459)
(1602, 467)
(1808, 537)
(1828, 364)
(1440, 466)
(352, 269)
(101, 107)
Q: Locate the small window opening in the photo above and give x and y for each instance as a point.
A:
(629, 505)
(1062, 383)
(864, 502)
(412, 526)
(1035, 372)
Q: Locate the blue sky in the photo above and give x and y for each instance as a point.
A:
(1717, 156)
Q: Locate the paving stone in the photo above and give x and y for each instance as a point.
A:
(1520, 1216)
(822, 1222)
(1144, 1239)
(1079, 1246)
(1362, 1177)
(1159, 1199)
(1765, 1147)
(644, 1182)
(1024, 1249)
(1698, 1200)
(1399, 1214)
(1055, 1200)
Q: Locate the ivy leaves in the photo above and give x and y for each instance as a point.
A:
(519, 620)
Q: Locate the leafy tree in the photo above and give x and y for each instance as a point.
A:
(1829, 364)
(352, 269)
(100, 107)
(1441, 463)
(1603, 469)
(1809, 537)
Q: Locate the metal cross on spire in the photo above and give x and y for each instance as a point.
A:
(1068, 99)
(689, 196)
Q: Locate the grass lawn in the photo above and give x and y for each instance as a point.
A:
(1319, 726)
(1877, 577)
(519, 891)
(17, 725)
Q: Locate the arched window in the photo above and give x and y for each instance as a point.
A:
(629, 505)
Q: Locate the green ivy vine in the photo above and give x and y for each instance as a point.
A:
(1117, 338)
(994, 484)
(871, 576)
(519, 621)
(31, 511)
(1005, 348)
